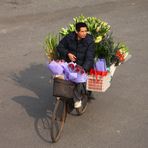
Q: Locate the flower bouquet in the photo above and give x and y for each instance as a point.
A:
(68, 71)
(75, 73)
(122, 52)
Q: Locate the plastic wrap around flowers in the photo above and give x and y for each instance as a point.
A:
(100, 68)
(71, 71)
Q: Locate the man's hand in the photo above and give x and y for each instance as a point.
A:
(72, 57)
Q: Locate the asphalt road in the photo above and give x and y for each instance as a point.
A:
(117, 118)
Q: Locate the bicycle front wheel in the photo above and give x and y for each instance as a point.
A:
(58, 119)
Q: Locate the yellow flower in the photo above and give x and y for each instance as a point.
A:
(98, 39)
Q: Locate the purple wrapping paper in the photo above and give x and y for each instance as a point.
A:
(101, 65)
(81, 78)
(62, 68)
(74, 76)
(68, 74)
(55, 68)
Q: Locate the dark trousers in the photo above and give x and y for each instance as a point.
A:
(79, 90)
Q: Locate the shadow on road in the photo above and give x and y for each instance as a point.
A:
(37, 79)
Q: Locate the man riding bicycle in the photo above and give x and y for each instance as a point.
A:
(78, 47)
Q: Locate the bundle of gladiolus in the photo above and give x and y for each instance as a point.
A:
(70, 71)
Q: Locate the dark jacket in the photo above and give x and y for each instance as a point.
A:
(83, 49)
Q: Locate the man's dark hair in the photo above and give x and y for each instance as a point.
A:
(79, 25)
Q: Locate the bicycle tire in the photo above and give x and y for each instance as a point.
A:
(70, 106)
(82, 109)
(58, 120)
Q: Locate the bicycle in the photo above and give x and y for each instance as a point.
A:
(63, 91)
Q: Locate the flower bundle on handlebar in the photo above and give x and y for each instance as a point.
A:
(70, 71)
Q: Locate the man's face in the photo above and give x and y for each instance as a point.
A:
(82, 33)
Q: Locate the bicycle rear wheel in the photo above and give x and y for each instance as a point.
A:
(58, 119)
(82, 109)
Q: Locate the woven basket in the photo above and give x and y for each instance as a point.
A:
(63, 88)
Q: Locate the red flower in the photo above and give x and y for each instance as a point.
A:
(71, 66)
(120, 56)
(82, 71)
(77, 69)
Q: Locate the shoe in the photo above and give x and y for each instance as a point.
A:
(78, 104)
